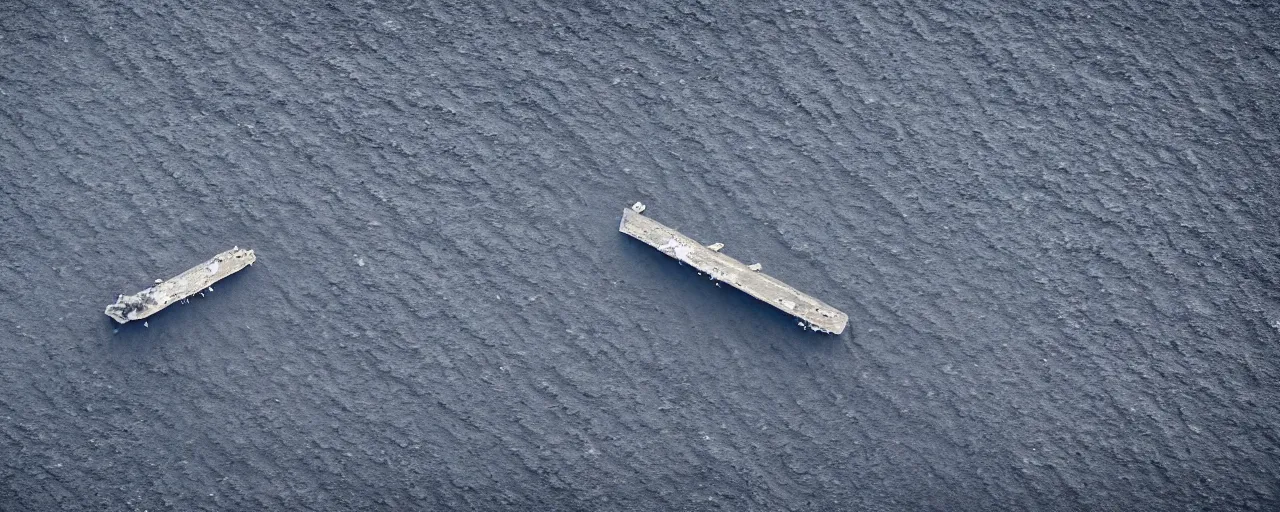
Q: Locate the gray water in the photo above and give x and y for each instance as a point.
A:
(1053, 226)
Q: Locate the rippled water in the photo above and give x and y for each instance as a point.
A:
(1054, 228)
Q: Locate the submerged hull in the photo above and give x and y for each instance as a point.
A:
(817, 314)
(151, 300)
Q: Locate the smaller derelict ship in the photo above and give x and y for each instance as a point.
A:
(151, 300)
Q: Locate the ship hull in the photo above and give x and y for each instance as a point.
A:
(151, 300)
(816, 314)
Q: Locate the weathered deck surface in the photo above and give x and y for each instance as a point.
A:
(151, 300)
(819, 315)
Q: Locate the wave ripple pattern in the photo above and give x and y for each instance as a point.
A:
(1054, 227)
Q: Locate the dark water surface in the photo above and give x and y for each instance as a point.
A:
(1054, 226)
